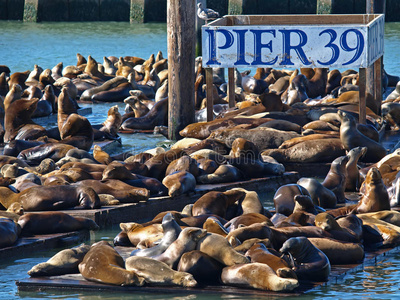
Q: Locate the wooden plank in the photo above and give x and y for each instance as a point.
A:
(26, 245)
(231, 87)
(181, 58)
(378, 83)
(209, 94)
(146, 210)
(362, 105)
(77, 282)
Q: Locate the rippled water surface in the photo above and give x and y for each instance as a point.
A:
(24, 44)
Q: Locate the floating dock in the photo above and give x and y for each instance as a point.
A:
(26, 245)
(78, 283)
(146, 210)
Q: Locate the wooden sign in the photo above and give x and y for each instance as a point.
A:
(352, 41)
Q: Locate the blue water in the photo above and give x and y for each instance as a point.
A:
(24, 44)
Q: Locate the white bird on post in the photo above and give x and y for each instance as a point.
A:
(206, 13)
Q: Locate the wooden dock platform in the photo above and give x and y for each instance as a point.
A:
(146, 210)
(25, 246)
(78, 283)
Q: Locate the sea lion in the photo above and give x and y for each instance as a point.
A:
(223, 174)
(9, 232)
(258, 276)
(58, 198)
(320, 195)
(53, 222)
(351, 137)
(339, 252)
(284, 198)
(251, 202)
(36, 154)
(113, 122)
(204, 268)
(327, 222)
(353, 178)
(259, 253)
(217, 203)
(77, 131)
(246, 220)
(335, 180)
(101, 156)
(157, 165)
(309, 262)
(307, 152)
(155, 272)
(63, 262)
(184, 163)
(186, 241)
(376, 197)
(179, 183)
(155, 117)
(171, 231)
(103, 264)
(256, 230)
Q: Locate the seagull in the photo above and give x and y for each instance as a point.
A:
(206, 13)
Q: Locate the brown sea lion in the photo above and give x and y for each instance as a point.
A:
(284, 198)
(111, 125)
(320, 195)
(224, 173)
(103, 264)
(9, 232)
(376, 197)
(184, 163)
(179, 183)
(246, 220)
(258, 276)
(217, 202)
(326, 222)
(310, 263)
(57, 198)
(53, 222)
(63, 262)
(353, 179)
(142, 236)
(339, 252)
(78, 132)
(213, 225)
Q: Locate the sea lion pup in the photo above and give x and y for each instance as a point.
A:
(186, 241)
(64, 262)
(376, 197)
(179, 183)
(103, 264)
(353, 179)
(319, 194)
(339, 252)
(9, 232)
(53, 222)
(309, 262)
(351, 137)
(335, 180)
(217, 203)
(259, 253)
(171, 231)
(155, 272)
(258, 276)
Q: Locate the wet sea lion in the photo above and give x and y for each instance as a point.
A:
(53, 222)
(223, 174)
(171, 231)
(111, 125)
(64, 262)
(319, 194)
(335, 180)
(9, 232)
(257, 275)
(103, 264)
(35, 155)
(246, 220)
(155, 272)
(284, 198)
(186, 241)
(184, 163)
(310, 263)
(353, 178)
(142, 236)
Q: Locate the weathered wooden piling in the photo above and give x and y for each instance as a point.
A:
(136, 14)
(181, 55)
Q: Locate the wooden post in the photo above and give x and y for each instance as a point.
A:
(181, 49)
(231, 87)
(136, 14)
(199, 23)
(210, 94)
(378, 83)
(363, 96)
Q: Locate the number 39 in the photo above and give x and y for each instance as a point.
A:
(344, 45)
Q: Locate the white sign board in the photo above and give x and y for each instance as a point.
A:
(293, 46)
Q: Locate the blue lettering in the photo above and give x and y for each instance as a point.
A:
(258, 45)
(241, 47)
(212, 49)
(298, 48)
